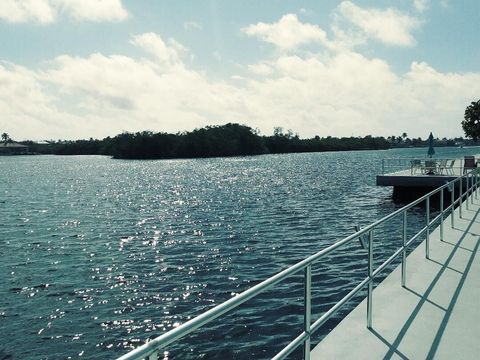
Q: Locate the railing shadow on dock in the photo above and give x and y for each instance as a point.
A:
(389, 345)
(393, 347)
(446, 318)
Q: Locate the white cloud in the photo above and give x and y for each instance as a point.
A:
(426, 86)
(192, 25)
(421, 5)
(17, 11)
(288, 33)
(338, 93)
(29, 111)
(325, 94)
(168, 54)
(389, 26)
(19, 82)
(350, 94)
(47, 11)
(346, 38)
(124, 93)
(93, 10)
(260, 69)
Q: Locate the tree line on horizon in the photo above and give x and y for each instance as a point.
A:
(236, 140)
(222, 140)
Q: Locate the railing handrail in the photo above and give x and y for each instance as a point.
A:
(396, 164)
(213, 313)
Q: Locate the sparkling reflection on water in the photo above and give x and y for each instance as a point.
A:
(100, 254)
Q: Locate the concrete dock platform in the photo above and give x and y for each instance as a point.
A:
(405, 179)
(437, 314)
(404, 175)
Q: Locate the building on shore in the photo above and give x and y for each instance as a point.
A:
(12, 148)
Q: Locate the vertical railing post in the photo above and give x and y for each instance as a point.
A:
(427, 238)
(308, 311)
(476, 184)
(404, 252)
(469, 184)
(461, 198)
(452, 213)
(466, 193)
(441, 214)
(370, 284)
(471, 187)
(469, 180)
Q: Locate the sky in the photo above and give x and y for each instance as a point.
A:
(72, 69)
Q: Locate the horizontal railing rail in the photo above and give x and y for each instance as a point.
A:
(467, 188)
(393, 165)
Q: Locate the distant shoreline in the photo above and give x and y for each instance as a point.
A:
(223, 141)
(232, 156)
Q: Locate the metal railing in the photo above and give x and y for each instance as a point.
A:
(467, 186)
(393, 165)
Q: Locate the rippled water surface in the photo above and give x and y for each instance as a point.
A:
(99, 254)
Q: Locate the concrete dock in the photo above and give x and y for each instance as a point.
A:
(405, 178)
(409, 177)
(437, 314)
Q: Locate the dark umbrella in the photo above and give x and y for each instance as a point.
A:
(431, 150)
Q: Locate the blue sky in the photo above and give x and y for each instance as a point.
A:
(79, 68)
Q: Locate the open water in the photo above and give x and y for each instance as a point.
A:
(98, 255)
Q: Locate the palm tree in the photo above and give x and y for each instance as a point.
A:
(5, 138)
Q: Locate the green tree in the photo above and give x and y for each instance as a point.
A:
(5, 138)
(277, 131)
(471, 124)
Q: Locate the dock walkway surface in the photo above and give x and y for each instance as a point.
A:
(436, 315)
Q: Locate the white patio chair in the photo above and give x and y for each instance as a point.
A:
(449, 169)
(442, 166)
(430, 167)
(415, 165)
